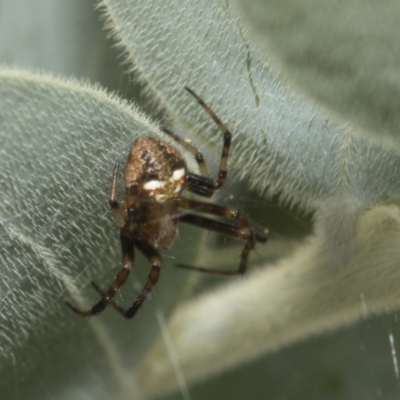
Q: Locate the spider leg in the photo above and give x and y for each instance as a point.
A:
(127, 265)
(155, 260)
(199, 185)
(196, 153)
(243, 231)
(202, 184)
(113, 198)
(112, 302)
(226, 229)
(227, 139)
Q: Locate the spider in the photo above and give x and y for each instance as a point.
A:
(155, 176)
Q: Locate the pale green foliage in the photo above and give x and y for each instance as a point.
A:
(55, 36)
(342, 53)
(59, 139)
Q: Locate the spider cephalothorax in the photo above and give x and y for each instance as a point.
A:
(155, 176)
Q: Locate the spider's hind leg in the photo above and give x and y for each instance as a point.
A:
(242, 231)
(127, 265)
(155, 260)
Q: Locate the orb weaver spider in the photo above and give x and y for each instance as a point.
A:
(155, 176)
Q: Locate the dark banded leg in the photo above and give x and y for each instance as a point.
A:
(112, 302)
(224, 212)
(115, 208)
(226, 229)
(155, 260)
(196, 153)
(243, 231)
(202, 184)
(127, 265)
(227, 140)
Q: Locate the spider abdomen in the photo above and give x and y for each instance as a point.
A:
(158, 225)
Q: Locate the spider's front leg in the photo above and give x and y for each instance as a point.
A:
(243, 231)
(202, 184)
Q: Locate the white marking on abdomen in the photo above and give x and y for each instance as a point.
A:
(152, 185)
(178, 174)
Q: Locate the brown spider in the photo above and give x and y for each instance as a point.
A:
(155, 176)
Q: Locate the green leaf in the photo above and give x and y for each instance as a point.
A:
(53, 35)
(345, 55)
(61, 37)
